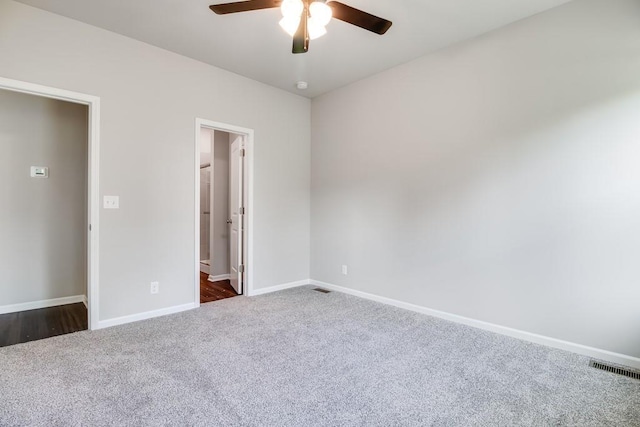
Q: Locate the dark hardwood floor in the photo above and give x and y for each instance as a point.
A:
(214, 291)
(31, 325)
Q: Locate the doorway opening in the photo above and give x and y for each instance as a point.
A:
(223, 199)
(50, 222)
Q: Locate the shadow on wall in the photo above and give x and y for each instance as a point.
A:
(69, 133)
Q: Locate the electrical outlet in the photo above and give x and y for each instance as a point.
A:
(344, 270)
(155, 287)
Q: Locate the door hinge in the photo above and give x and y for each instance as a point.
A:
(241, 268)
(89, 227)
(241, 211)
(242, 153)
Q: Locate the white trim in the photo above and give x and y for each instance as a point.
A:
(248, 254)
(204, 268)
(247, 237)
(219, 277)
(34, 305)
(196, 221)
(93, 175)
(277, 288)
(144, 316)
(85, 301)
(212, 208)
(597, 353)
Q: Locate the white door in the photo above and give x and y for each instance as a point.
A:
(236, 214)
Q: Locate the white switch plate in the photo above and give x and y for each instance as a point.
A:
(111, 202)
(155, 287)
(39, 172)
(344, 270)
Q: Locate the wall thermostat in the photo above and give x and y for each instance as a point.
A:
(39, 172)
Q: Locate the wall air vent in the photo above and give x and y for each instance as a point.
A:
(615, 369)
(324, 291)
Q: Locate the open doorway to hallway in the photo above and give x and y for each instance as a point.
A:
(221, 214)
(44, 218)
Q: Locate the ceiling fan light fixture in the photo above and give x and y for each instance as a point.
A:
(290, 24)
(316, 30)
(306, 20)
(292, 8)
(320, 12)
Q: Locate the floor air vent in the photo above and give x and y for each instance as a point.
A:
(615, 369)
(324, 291)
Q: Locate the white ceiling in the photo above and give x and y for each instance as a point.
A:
(253, 45)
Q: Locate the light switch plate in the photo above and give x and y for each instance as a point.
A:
(111, 202)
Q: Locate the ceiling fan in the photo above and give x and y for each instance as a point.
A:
(305, 20)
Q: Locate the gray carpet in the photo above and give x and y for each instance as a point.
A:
(302, 358)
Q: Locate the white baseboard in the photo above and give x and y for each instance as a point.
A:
(143, 316)
(219, 277)
(277, 288)
(85, 301)
(178, 308)
(13, 308)
(204, 268)
(621, 359)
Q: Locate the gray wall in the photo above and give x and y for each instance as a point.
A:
(42, 221)
(220, 246)
(149, 101)
(498, 179)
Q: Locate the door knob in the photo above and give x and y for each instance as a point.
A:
(229, 221)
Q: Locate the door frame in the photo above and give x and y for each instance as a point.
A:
(248, 135)
(93, 194)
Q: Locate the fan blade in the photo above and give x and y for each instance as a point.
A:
(301, 37)
(359, 18)
(244, 6)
